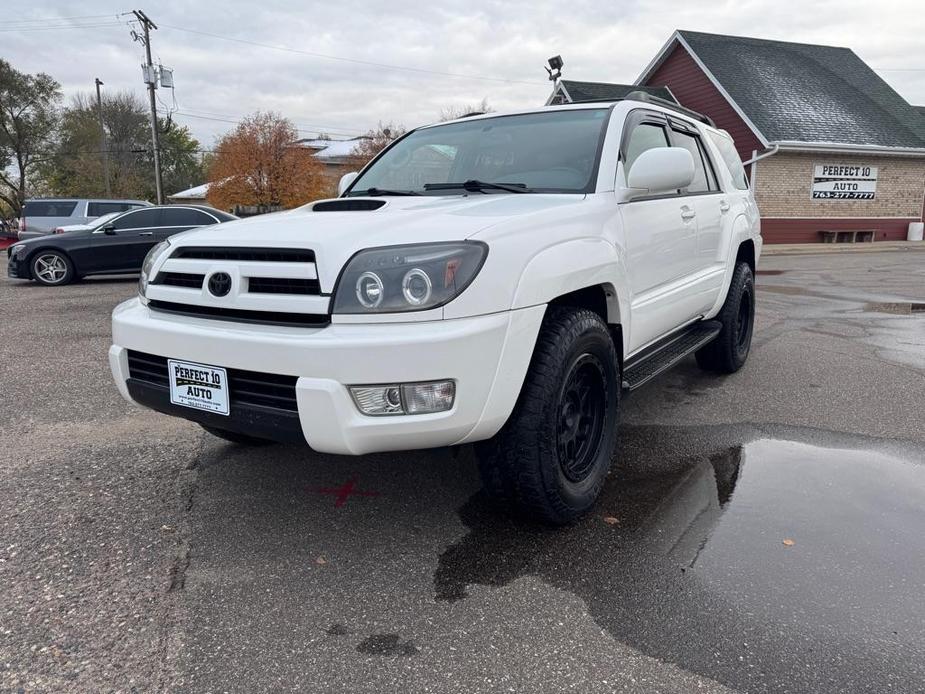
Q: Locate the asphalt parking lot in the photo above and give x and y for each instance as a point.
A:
(760, 532)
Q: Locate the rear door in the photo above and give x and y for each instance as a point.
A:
(704, 191)
(661, 237)
(124, 250)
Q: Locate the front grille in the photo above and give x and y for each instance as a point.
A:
(263, 255)
(244, 387)
(302, 320)
(179, 279)
(282, 285)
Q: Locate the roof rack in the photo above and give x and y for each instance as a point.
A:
(639, 95)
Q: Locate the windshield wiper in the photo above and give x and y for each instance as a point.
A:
(475, 185)
(382, 191)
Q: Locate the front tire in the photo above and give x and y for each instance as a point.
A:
(52, 268)
(552, 456)
(727, 353)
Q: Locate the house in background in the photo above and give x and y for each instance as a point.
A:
(190, 196)
(573, 92)
(831, 146)
(336, 156)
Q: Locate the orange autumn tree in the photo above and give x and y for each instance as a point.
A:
(258, 164)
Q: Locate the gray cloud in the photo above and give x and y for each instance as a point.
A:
(501, 39)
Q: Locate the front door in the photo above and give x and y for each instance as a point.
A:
(661, 240)
(124, 248)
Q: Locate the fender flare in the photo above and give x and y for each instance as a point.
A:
(577, 264)
(740, 233)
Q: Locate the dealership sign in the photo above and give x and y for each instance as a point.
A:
(843, 182)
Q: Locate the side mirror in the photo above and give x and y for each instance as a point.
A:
(109, 230)
(660, 170)
(345, 181)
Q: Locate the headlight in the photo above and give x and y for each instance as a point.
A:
(407, 278)
(17, 250)
(153, 256)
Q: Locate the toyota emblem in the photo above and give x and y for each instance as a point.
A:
(220, 284)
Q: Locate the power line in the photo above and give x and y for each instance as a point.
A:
(301, 127)
(354, 61)
(58, 19)
(64, 26)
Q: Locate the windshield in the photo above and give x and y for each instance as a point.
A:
(549, 152)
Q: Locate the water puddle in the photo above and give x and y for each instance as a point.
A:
(770, 563)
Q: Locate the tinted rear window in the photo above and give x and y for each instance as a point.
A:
(49, 208)
(185, 218)
(98, 209)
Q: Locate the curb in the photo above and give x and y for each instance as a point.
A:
(822, 248)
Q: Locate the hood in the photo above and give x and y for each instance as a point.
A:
(335, 236)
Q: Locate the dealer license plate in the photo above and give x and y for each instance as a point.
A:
(198, 386)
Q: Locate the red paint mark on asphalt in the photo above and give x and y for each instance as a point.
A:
(344, 492)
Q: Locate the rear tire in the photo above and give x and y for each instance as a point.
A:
(552, 456)
(727, 353)
(236, 437)
(52, 268)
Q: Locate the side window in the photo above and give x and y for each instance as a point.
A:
(98, 209)
(644, 136)
(181, 217)
(732, 160)
(704, 180)
(138, 220)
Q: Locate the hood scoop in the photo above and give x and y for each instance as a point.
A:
(348, 205)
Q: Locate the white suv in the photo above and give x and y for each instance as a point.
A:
(497, 279)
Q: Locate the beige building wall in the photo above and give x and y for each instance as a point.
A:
(784, 184)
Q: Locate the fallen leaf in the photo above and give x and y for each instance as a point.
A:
(321, 560)
(167, 528)
(789, 543)
(611, 520)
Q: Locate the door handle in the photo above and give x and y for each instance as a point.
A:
(687, 213)
(146, 233)
(723, 206)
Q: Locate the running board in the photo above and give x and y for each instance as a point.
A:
(662, 356)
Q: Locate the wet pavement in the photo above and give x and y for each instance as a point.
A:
(773, 560)
(763, 532)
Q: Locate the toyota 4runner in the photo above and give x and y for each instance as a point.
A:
(497, 280)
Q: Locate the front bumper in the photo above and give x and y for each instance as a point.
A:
(487, 356)
(16, 268)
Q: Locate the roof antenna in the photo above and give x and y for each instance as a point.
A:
(555, 68)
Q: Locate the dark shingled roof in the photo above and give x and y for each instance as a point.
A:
(807, 93)
(604, 91)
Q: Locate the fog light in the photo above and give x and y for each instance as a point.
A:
(405, 398)
(420, 398)
(377, 400)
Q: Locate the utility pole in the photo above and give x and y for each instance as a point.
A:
(103, 149)
(151, 80)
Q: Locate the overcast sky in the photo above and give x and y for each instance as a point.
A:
(493, 50)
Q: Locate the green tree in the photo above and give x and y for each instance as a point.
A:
(77, 167)
(28, 119)
(182, 163)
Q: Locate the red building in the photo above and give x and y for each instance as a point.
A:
(829, 146)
